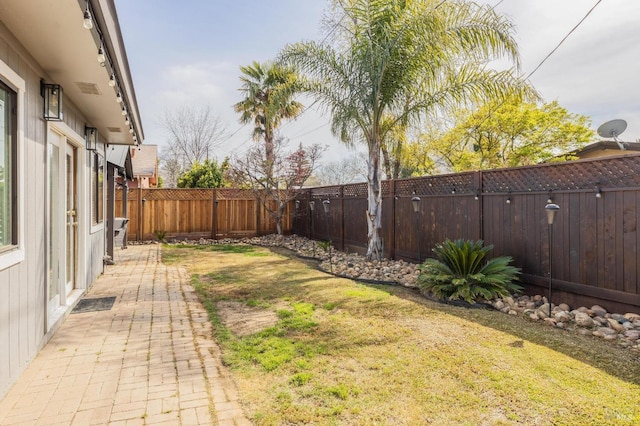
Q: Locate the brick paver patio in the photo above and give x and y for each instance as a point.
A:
(149, 360)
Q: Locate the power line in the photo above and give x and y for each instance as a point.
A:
(543, 60)
(310, 131)
(563, 40)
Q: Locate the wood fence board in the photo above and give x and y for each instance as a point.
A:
(595, 241)
(189, 213)
(588, 240)
(629, 245)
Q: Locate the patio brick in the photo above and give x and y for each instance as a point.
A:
(150, 360)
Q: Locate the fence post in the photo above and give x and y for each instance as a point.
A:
(140, 212)
(478, 178)
(341, 205)
(392, 235)
(213, 213)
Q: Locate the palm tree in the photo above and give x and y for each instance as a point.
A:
(408, 59)
(268, 90)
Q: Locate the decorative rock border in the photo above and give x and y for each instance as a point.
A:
(596, 321)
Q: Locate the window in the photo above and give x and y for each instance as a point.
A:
(8, 162)
(97, 189)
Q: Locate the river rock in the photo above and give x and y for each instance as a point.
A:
(583, 320)
(601, 320)
(562, 316)
(599, 310)
(564, 307)
(616, 325)
(632, 334)
(604, 331)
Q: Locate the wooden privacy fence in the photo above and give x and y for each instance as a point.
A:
(196, 213)
(595, 240)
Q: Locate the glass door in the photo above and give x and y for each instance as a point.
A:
(63, 221)
(72, 219)
(55, 275)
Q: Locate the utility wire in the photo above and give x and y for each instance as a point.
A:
(563, 40)
(543, 60)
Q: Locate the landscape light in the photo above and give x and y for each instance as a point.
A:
(416, 204)
(552, 210)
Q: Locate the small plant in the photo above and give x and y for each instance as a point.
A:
(300, 379)
(325, 245)
(460, 271)
(160, 235)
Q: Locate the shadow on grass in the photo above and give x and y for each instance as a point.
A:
(606, 356)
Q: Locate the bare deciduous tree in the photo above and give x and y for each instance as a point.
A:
(341, 172)
(275, 183)
(193, 135)
(170, 168)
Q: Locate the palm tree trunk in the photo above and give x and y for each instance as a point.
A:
(386, 162)
(374, 201)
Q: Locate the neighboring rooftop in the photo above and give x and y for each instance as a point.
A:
(607, 149)
(144, 160)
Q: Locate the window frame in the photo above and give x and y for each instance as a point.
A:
(97, 189)
(11, 176)
(13, 254)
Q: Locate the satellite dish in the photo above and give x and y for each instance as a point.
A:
(612, 129)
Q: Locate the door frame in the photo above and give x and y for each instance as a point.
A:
(68, 137)
(71, 222)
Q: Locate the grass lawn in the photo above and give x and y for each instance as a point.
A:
(341, 352)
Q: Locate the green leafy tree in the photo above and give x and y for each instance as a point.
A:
(509, 134)
(268, 90)
(408, 60)
(205, 175)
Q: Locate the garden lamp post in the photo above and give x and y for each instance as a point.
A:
(551, 209)
(312, 207)
(325, 205)
(416, 209)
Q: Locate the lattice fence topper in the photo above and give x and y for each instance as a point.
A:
(176, 194)
(355, 190)
(188, 194)
(459, 183)
(618, 172)
(325, 192)
(234, 194)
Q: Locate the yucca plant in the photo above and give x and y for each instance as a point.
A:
(461, 271)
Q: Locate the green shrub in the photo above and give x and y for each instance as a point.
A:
(160, 235)
(461, 271)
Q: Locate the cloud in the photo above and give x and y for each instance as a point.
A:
(195, 83)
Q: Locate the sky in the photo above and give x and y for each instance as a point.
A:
(189, 53)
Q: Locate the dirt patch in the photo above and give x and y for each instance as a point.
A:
(244, 320)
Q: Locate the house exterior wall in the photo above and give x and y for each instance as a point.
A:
(25, 324)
